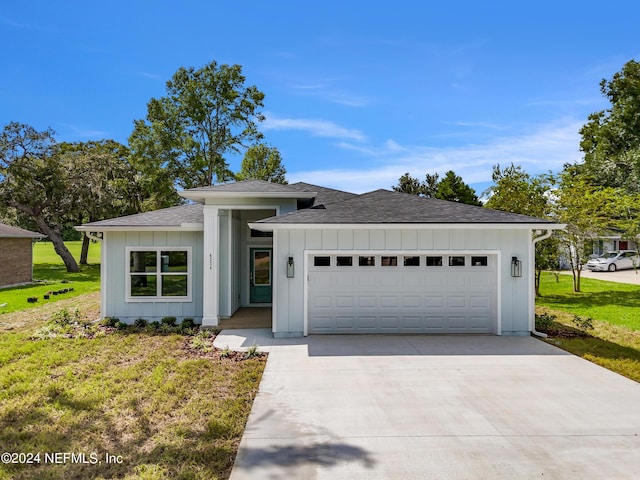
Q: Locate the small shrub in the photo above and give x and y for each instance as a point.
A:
(110, 321)
(252, 351)
(46, 296)
(200, 343)
(226, 352)
(121, 325)
(583, 323)
(140, 323)
(207, 332)
(188, 323)
(169, 321)
(32, 299)
(45, 332)
(545, 321)
(64, 317)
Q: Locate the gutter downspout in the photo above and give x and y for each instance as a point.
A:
(532, 290)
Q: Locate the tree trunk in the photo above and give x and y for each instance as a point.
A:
(84, 253)
(58, 244)
(537, 282)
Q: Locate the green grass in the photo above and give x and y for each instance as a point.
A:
(614, 303)
(168, 412)
(614, 342)
(612, 346)
(50, 274)
(43, 252)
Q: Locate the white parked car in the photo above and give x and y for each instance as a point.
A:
(613, 261)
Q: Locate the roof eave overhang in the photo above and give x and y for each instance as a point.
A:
(33, 237)
(269, 227)
(185, 227)
(201, 196)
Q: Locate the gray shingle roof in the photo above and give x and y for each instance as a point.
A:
(246, 186)
(325, 195)
(166, 217)
(7, 231)
(384, 206)
(337, 207)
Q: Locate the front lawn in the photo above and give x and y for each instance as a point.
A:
(158, 408)
(51, 276)
(614, 340)
(615, 303)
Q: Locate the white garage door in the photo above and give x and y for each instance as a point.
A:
(408, 293)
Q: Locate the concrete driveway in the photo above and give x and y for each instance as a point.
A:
(438, 407)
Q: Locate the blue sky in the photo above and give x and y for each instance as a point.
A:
(357, 93)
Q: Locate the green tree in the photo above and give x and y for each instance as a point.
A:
(428, 188)
(516, 191)
(207, 114)
(33, 181)
(262, 162)
(410, 185)
(453, 188)
(611, 138)
(102, 184)
(589, 211)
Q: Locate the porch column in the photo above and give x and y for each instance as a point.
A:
(210, 293)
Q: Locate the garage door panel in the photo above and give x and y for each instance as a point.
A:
(403, 299)
(411, 301)
(367, 301)
(432, 301)
(412, 323)
(345, 301)
(345, 323)
(343, 282)
(479, 301)
(389, 301)
(457, 301)
(434, 323)
(321, 301)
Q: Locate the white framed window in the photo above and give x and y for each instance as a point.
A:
(158, 274)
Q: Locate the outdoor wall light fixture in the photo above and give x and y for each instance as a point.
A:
(516, 267)
(290, 267)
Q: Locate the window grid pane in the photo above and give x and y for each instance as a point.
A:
(456, 261)
(344, 261)
(389, 261)
(144, 285)
(367, 261)
(434, 261)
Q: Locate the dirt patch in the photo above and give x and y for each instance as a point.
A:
(88, 305)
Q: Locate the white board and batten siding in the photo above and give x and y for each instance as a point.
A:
(401, 299)
(116, 304)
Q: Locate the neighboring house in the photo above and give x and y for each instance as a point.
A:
(16, 255)
(612, 242)
(326, 261)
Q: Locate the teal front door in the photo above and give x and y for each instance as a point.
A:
(260, 289)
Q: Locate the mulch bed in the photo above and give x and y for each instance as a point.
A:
(562, 331)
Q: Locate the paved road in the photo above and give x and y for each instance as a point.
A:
(621, 276)
(438, 407)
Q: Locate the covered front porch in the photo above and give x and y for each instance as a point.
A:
(248, 317)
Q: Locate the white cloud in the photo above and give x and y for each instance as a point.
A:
(77, 132)
(315, 127)
(543, 148)
(326, 91)
(152, 76)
